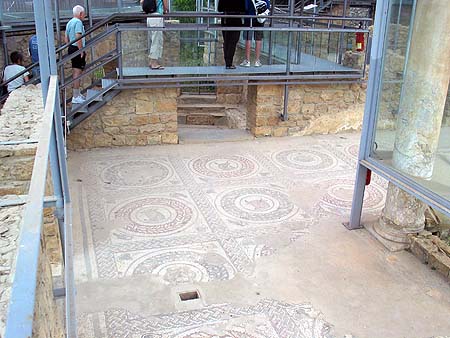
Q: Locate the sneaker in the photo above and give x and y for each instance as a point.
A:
(78, 100)
(245, 63)
(258, 63)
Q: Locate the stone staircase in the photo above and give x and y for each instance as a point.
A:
(201, 110)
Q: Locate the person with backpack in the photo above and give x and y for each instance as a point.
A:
(231, 38)
(34, 54)
(254, 7)
(14, 69)
(156, 41)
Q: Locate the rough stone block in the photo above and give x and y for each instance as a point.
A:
(262, 131)
(119, 140)
(103, 140)
(165, 118)
(153, 139)
(166, 106)
(308, 109)
(112, 130)
(280, 131)
(132, 130)
(139, 120)
(151, 129)
(169, 138)
(154, 118)
(144, 107)
(116, 121)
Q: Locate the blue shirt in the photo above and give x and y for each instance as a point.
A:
(74, 27)
(33, 48)
(160, 7)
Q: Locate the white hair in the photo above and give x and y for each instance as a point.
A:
(77, 10)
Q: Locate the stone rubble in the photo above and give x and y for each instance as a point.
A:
(10, 219)
(21, 115)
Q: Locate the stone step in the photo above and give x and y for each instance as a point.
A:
(203, 120)
(203, 108)
(197, 99)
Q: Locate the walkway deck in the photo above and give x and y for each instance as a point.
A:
(255, 228)
(309, 64)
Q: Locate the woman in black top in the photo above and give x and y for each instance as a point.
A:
(231, 38)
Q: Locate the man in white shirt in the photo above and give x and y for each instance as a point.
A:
(75, 30)
(14, 69)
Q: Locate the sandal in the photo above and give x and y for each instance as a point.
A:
(156, 67)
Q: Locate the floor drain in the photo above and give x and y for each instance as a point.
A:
(191, 295)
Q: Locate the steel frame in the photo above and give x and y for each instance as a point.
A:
(365, 161)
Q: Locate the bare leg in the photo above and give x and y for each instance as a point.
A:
(248, 46)
(76, 72)
(258, 49)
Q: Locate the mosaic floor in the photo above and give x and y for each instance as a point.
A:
(189, 216)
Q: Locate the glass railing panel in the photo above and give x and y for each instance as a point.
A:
(308, 51)
(403, 141)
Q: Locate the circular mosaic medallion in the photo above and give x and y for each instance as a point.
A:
(305, 160)
(340, 192)
(353, 150)
(136, 173)
(256, 204)
(155, 215)
(223, 167)
(183, 266)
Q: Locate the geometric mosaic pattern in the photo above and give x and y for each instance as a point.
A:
(183, 218)
(266, 319)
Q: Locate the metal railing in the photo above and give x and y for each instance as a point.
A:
(50, 150)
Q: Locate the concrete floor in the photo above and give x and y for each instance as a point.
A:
(254, 227)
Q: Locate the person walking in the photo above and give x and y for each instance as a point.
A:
(74, 30)
(155, 37)
(231, 37)
(250, 9)
(14, 69)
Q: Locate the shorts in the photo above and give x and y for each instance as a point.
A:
(248, 35)
(78, 61)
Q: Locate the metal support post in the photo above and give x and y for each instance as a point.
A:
(341, 35)
(285, 116)
(5, 47)
(119, 49)
(370, 112)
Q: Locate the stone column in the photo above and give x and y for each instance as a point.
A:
(420, 117)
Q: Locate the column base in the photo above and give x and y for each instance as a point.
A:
(391, 236)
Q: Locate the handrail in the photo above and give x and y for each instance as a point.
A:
(23, 292)
(137, 16)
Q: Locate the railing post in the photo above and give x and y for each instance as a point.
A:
(284, 116)
(119, 50)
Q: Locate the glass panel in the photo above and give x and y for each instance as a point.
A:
(393, 99)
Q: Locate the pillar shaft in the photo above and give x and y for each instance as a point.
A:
(424, 90)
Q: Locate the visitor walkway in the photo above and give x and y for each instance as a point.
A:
(250, 233)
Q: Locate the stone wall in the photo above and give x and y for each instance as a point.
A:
(20, 120)
(133, 118)
(312, 109)
(47, 322)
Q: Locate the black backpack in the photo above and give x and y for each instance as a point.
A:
(149, 6)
